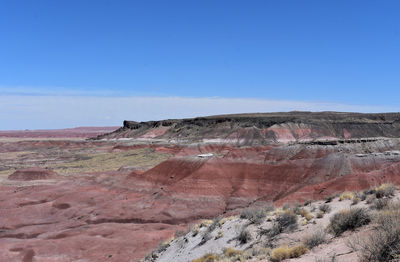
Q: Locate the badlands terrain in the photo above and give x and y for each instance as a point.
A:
(113, 194)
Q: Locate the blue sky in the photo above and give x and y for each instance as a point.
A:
(316, 55)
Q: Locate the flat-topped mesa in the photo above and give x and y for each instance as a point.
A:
(265, 128)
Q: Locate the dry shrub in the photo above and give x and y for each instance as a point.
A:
(346, 196)
(206, 236)
(315, 239)
(380, 203)
(284, 252)
(286, 221)
(383, 244)
(255, 216)
(329, 199)
(348, 219)
(325, 208)
(219, 234)
(385, 190)
(306, 214)
(231, 252)
(244, 236)
(320, 214)
(355, 201)
(206, 258)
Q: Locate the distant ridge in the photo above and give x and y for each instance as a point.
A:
(265, 128)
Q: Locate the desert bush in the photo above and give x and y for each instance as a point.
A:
(380, 203)
(244, 236)
(369, 191)
(363, 196)
(214, 224)
(206, 236)
(325, 208)
(286, 221)
(355, 201)
(296, 208)
(383, 243)
(329, 199)
(370, 199)
(284, 252)
(219, 234)
(255, 216)
(315, 239)
(348, 219)
(320, 214)
(305, 213)
(385, 190)
(206, 258)
(346, 196)
(231, 252)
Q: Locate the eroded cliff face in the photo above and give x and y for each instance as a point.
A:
(261, 129)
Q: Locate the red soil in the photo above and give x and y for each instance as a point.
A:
(116, 216)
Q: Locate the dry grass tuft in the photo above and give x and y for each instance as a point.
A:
(284, 252)
(346, 196)
(206, 258)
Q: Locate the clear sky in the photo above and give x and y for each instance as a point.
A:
(287, 55)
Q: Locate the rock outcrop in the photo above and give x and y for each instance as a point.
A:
(256, 129)
(33, 173)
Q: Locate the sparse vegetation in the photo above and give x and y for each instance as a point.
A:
(255, 216)
(315, 239)
(206, 258)
(383, 243)
(206, 236)
(329, 199)
(346, 196)
(286, 221)
(305, 213)
(385, 190)
(231, 252)
(244, 236)
(284, 252)
(219, 234)
(325, 208)
(348, 219)
(380, 203)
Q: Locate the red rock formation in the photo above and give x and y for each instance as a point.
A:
(33, 173)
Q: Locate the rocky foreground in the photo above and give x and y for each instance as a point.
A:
(117, 198)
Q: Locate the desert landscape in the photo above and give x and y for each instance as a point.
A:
(185, 189)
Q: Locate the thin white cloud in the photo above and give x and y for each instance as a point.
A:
(42, 112)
